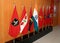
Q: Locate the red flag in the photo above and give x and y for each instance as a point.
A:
(31, 23)
(14, 28)
(41, 18)
(45, 20)
(51, 11)
(24, 24)
(48, 16)
(51, 14)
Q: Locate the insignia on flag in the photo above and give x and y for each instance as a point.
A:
(31, 20)
(15, 22)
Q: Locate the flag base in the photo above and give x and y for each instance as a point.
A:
(33, 37)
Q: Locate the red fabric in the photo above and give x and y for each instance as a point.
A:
(40, 20)
(25, 30)
(48, 19)
(51, 9)
(14, 30)
(51, 12)
(32, 25)
(23, 14)
(45, 20)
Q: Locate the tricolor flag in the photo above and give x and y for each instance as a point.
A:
(31, 23)
(14, 28)
(35, 19)
(24, 24)
(41, 18)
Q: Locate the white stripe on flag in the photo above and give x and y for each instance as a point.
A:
(23, 26)
(35, 15)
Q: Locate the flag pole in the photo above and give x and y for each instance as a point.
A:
(34, 32)
(14, 41)
(21, 36)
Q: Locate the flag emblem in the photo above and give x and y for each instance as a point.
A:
(15, 22)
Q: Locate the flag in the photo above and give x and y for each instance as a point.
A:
(51, 11)
(45, 16)
(24, 24)
(14, 28)
(41, 19)
(51, 14)
(31, 23)
(35, 19)
(48, 16)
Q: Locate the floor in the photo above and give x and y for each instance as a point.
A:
(52, 37)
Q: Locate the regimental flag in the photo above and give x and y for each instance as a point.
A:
(45, 16)
(41, 18)
(35, 19)
(24, 24)
(51, 14)
(14, 28)
(48, 16)
(52, 11)
(31, 23)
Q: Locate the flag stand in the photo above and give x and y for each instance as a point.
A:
(28, 34)
(42, 28)
(38, 29)
(14, 41)
(46, 27)
(33, 37)
(21, 36)
(34, 32)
